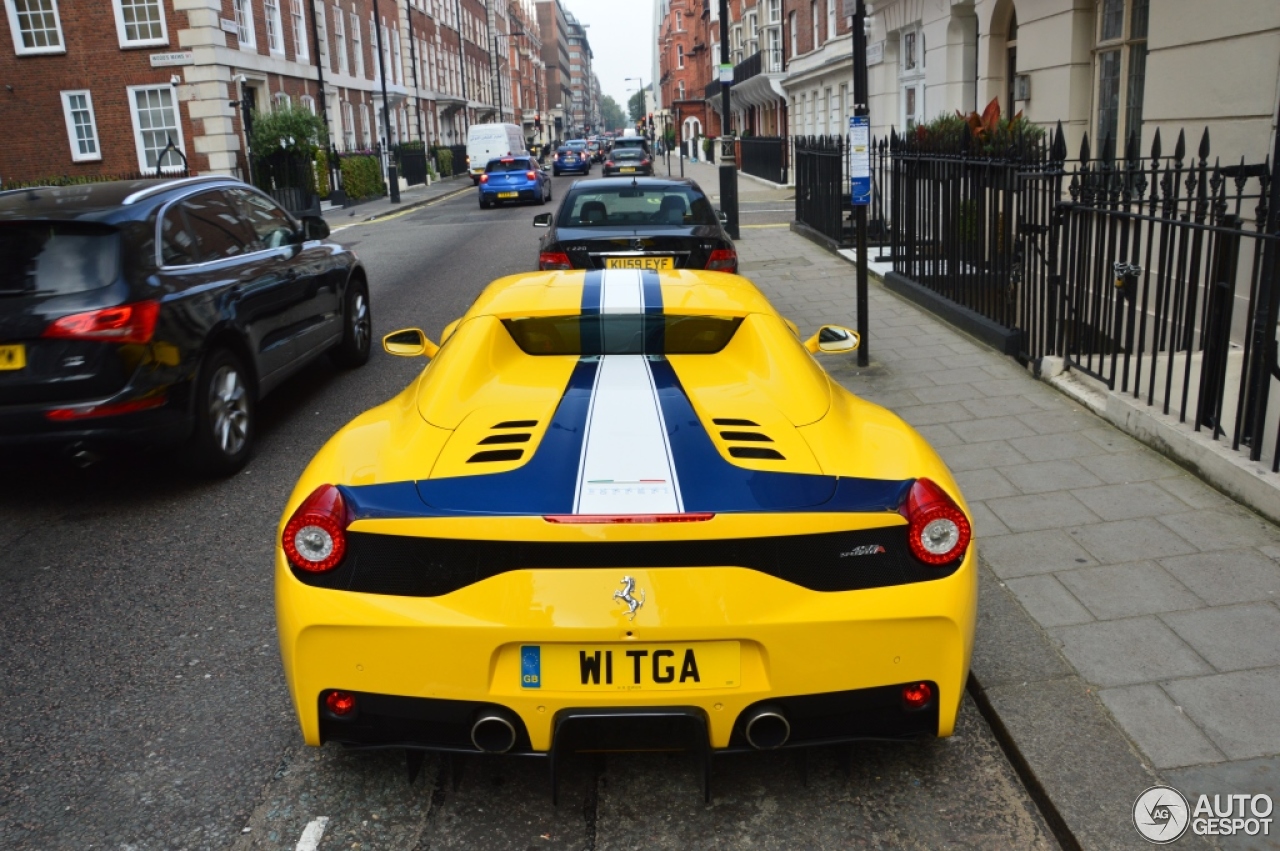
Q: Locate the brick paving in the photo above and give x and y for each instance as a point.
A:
(1159, 591)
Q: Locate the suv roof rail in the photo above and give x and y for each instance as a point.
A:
(170, 184)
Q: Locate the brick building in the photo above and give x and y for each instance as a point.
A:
(110, 83)
(685, 69)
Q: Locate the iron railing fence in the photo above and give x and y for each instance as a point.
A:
(766, 157)
(411, 159)
(459, 159)
(821, 196)
(1157, 275)
(289, 177)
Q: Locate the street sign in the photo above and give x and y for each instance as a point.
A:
(860, 160)
(726, 73)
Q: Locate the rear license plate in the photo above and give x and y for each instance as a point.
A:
(631, 667)
(13, 356)
(639, 263)
(627, 170)
(508, 194)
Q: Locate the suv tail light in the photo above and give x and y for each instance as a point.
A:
(723, 260)
(128, 323)
(937, 530)
(548, 260)
(315, 538)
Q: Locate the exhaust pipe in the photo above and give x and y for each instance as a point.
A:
(81, 455)
(767, 728)
(492, 733)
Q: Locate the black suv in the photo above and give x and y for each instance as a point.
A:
(160, 311)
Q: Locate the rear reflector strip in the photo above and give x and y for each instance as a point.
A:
(85, 412)
(584, 519)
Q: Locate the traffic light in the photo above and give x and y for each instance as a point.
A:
(537, 122)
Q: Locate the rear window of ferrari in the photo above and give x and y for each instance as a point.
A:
(622, 334)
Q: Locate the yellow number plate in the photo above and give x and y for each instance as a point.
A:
(631, 667)
(508, 194)
(13, 357)
(627, 170)
(639, 263)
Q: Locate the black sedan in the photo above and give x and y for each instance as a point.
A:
(628, 161)
(635, 223)
(158, 312)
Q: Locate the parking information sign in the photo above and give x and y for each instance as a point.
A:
(860, 159)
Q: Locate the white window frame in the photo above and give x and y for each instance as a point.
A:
(813, 13)
(679, 13)
(348, 125)
(301, 52)
(72, 136)
(340, 36)
(142, 42)
(774, 12)
(680, 89)
(20, 48)
(795, 39)
(397, 58)
(137, 129)
(680, 56)
(275, 34)
(357, 45)
(281, 100)
(245, 34)
(308, 103)
(831, 19)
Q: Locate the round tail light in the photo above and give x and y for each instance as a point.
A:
(937, 530)
(315, 538)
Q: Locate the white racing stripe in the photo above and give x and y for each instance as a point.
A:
(621, 291)
(626, 463)
(311, 836)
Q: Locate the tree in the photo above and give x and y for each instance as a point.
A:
(611, 114)
(636, 105)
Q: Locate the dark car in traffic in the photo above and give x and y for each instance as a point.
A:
(627, 161)
(513, 179)
(635, 223)
(568, 159)
(159, 312)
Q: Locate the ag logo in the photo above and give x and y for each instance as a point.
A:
(1161, 815)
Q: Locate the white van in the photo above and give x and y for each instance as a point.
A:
(486, 141)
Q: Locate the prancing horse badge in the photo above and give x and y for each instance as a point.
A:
(625, 595)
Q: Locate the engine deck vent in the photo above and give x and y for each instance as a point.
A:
(510, 437)
(496, 455)
(747, 436)
(758, 452)
(517, 424)
(720, 421)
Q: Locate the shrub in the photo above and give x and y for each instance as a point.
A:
(444, 159)
(322, 172)
(362, 176)
(285, 123)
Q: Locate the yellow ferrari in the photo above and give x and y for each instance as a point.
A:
(624, 509)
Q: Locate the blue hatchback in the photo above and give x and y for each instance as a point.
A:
(571, 159)
(513, 179)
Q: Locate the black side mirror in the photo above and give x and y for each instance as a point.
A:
(723, 217)
(542, 220)
(314, 227)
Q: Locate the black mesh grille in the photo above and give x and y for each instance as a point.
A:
(429, 567)
(756, 452)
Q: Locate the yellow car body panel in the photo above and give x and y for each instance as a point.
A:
(409, 472)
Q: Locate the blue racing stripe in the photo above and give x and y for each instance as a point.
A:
(545, 485)
(710, 483)
(592, 291)
(652, 291)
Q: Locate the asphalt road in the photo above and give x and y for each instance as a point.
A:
(144, 705)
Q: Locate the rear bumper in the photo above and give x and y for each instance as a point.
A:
(29, 425)
(835, 660)
(525, 193)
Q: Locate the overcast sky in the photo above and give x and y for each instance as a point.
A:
(622, 42)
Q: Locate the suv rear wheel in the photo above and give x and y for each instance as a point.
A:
(226, 415)
(357, 328)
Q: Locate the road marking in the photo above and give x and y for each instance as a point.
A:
(312, 835)
(780, 225)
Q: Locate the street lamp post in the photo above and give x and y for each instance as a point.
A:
(493, 57)
(860, 97)
(393, 176)
(639, 81)
(728, 168)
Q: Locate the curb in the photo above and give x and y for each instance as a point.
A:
(411, 205)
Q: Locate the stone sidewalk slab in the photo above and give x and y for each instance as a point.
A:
(1127, 589)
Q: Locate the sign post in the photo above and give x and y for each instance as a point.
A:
(860, 164)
